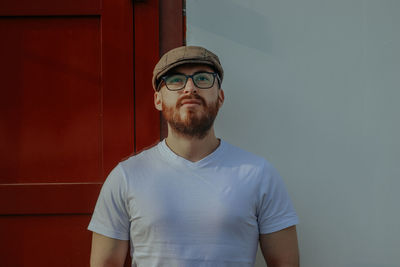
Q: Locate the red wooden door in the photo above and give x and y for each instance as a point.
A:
(68, 113)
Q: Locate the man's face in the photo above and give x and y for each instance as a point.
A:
(191, 111)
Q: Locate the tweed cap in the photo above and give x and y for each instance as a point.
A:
(184, 55)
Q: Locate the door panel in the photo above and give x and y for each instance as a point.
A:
(146, 123)
(48, 198)
(45, 240)
(53, 83)
(68, 114)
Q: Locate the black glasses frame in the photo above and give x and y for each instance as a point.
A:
(163, 79)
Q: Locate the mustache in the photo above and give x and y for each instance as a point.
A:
(188, 97)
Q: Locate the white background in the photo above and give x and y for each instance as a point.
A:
(313, 86)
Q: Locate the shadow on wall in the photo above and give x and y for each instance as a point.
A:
(233, 20)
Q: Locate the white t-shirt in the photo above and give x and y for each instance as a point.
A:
(178, 213)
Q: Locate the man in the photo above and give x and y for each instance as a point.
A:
(193, 199)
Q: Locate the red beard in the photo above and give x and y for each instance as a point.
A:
(195, 124)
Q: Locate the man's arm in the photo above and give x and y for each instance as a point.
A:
(108, 252)
(280, 249)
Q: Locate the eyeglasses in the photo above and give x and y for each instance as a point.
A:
(202, 80)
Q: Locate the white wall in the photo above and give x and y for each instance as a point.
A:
(313, 86)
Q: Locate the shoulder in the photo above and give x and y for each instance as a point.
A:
(247, 164)
(142, 159)
(142, 166)
(241, 157)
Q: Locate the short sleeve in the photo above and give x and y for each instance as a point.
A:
(110, 216)
(275, 209)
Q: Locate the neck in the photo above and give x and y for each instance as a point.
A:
(191, 148)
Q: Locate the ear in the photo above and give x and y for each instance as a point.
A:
(158, 100)
(221, 97)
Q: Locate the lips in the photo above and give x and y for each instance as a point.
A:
(191, 101)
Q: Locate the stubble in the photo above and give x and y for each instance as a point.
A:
(194, 123)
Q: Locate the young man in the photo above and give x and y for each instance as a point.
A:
(193, 199)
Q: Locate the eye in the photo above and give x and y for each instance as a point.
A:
(174, 79)
(203, 77)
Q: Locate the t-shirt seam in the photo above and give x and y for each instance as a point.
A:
(203, 260)
(284, 222)
(98, 227)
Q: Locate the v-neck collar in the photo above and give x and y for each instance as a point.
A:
(172, 157)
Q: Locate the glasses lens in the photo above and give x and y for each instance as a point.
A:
(175, 82)
(203, 79)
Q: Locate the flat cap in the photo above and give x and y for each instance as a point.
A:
(185, 55)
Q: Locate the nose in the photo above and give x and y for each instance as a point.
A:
(190, 87)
